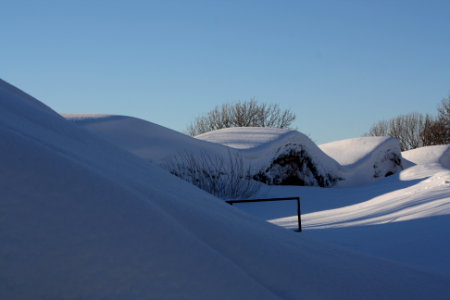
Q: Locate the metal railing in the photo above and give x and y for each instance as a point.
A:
(274, 199)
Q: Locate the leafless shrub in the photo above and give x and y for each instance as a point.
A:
(241, 114)
(213, 175)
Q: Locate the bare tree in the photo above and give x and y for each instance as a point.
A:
(408, 129)
(444, 119)
(241, 114)
(435, 132)
(380, 128)
(413, 130)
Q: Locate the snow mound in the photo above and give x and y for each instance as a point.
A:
(428, 155)
(81, 218)
(345, 163)
(274, 156)
(365, 159)
(282, 157)
(352, 151)
(290, 158)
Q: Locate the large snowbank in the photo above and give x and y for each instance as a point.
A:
(81, 218)
(348, 163)
(275, 156)
(270, 162)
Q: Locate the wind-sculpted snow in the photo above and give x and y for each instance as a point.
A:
(428, 155)
(81, 218)
(365, 159)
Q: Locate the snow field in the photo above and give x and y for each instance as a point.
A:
(83, 218)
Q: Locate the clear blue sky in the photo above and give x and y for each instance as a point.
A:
(339, 65)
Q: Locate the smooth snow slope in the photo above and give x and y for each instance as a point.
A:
(147, 140)
(81, 218)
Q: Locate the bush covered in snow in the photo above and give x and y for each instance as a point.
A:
(292, 165)
(225, 180)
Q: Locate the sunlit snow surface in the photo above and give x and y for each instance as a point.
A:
(428, 155)
(82, 218)
(405, 217)
(353, 151)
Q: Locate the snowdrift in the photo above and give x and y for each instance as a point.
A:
(348, 163)
(279, 156)
(365, 159)
(275, 156)
(428, 155)
(81, 218)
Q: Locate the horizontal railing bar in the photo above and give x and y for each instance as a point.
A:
(273, 199)
(260, 200)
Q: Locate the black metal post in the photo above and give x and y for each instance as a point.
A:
(299, 215)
